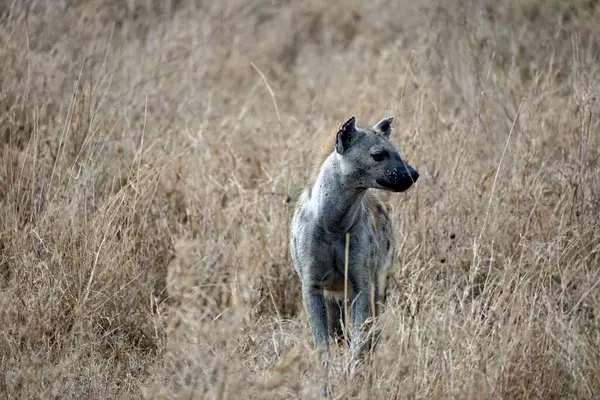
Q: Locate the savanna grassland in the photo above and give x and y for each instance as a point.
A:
(151, 153)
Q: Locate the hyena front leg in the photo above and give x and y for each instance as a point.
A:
(335, 319)
(360, 313)
(314, 303)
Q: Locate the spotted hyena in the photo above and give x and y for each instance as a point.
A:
(339, 202)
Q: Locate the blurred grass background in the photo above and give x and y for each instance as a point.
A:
(148, 177)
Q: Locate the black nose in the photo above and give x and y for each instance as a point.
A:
(414, 175)
(411, 173)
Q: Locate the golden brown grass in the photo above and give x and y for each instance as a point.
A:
(148, 176)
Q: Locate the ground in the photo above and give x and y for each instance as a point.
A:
(151, 154)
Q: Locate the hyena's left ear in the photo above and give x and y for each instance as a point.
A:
(345, 136)
(384, 126)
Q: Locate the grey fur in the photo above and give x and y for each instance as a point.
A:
(339, 202)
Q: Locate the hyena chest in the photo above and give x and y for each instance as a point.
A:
(330, 258)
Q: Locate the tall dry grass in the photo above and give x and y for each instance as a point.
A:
(152, 152)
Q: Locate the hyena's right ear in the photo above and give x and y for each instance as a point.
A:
(384, 126)
(345, 135)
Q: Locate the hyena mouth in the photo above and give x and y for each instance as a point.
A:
(398, 186)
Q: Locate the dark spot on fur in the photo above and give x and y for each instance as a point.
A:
(453, 236)
(443, 260)
(388, 244)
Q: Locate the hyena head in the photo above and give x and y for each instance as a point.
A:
(370, 160)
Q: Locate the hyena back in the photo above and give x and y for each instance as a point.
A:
(338, 203)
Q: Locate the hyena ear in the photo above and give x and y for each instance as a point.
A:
(343, 140)
(384, 126)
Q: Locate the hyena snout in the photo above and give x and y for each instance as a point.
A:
(399, 177)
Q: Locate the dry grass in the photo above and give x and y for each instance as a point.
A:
(148, 176)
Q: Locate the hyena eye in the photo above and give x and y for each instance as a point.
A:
(382, 155)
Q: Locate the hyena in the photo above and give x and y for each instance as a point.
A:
(339, 202)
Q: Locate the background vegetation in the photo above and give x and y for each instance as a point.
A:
(152, 151)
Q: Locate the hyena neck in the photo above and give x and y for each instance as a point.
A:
(337, 202)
